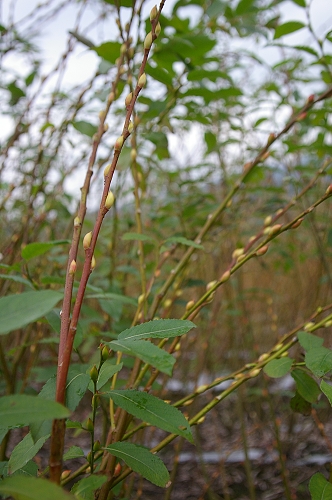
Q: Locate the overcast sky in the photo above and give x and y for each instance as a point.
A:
(54, 37)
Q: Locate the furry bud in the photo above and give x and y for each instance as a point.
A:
(148, 41)
(118, 143)
(225, 276)
(142, 81)
(128, 99)
(157, 29)
(107, 170)
(109, 200)
(72, 267)
(87, 240)
(153, 13)
(93, 263)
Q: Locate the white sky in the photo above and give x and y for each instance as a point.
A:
(53, 39)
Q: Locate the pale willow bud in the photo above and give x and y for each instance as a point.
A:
(157, 29)
(87, 240)
(107, 170)
(153, 13)
(105, 127)
(72, 267)
(148, 41)
(93, 263)
(109, 200)
(262, 250)
(128, 99)
(237, 252)
(210, 285)
(77, 222)
(267, 220)
(329, 190)
(123, 48)
(141, 299)
(130, 127)
(111, 98)
(142, 81)
(225, 276)
(308, 326)
(167, 303)
(276, 228)
(190, 304)
(118, 143)
(133, 154)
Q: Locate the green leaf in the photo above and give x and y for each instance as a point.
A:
(85, 128)
(309, 341)
(16, 93)
(86, 487)
(31, 488)
(21, 409)
(184, 241)
(24, 451)
(300, 405)
(158, 329)
(121, 3)
(35, 249)
(160, 74)
(109, 51)
(306, 386)
(17, 279)
(137, 237)
(30, 469)
(73, 452)
(77, 384)
(141, 460)
(152, 410)
(327, 390)
(320, 488)
(106, 372)
(278, 367)
(301, 3)
(116, 297)
(287, 28)
(147, 352)
(18, 310)
(319, 360)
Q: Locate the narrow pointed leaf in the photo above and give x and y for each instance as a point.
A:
(153, 411)
(184, 241)
(287, 28)
(19, 310)
(141, 460)
(319, 360)
(278, 367)
(21, 409)
(73, 452)
(309, 341)
(106, 372)
(24, 451)
(327, 390)
(86, 487)
(138, 237)
(306, 386)
(147, 352)
(31, 488)
(36, 249)
(158, 329)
